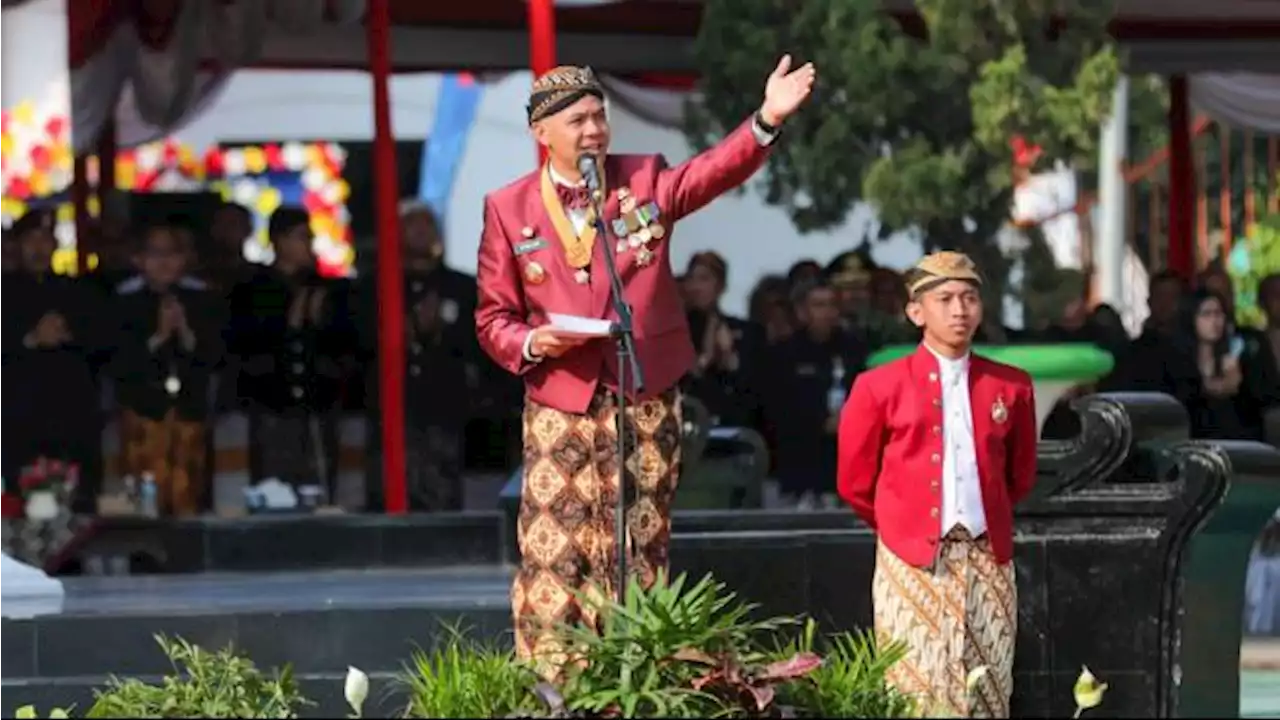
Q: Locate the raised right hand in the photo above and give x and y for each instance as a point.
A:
(546, 343)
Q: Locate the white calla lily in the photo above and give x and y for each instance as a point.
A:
(1088, 691)
(356, 689)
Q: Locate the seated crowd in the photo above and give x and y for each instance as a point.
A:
(150, 353)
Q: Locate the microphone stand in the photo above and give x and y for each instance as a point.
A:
(626, 344)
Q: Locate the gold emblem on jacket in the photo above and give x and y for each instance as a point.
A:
(534, 273)
(999, 412)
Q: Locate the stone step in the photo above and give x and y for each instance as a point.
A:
(1260, 694)
(271, 543)
(318, 622)
(287, 542)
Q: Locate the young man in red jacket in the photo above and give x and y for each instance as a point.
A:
(935, 449)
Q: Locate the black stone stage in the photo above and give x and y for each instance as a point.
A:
(1131, 558)
(320, 621)
(374, 588)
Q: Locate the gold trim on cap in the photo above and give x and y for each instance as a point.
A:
(943, 265)
(566, 77)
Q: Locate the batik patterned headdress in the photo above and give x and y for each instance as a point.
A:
(559, 88)
(937, 268)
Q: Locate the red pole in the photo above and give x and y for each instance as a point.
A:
(1181, 258)
(542, 44)
(390, 282)
(79, 190)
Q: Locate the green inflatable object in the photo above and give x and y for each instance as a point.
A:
(1079, 362)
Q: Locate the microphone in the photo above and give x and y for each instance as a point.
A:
(589, 168)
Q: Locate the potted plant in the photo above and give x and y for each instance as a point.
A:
(681, 648)
(47, 486)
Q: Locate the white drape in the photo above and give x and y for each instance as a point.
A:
(162, 79)
(1244, 100)
(661, 106)
(95, 88)
(154, 92)
(133, 130)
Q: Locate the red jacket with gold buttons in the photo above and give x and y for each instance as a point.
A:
(523, 276)
(891, 445)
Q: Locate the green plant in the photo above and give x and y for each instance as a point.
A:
(925, 121)
(850, 683)
(466, 679)
(1252, 258)
(206, 685)
(675, 651)
(28, 712)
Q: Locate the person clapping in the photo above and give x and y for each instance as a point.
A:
(168, 346)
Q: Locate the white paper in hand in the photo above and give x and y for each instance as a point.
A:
(577, 326)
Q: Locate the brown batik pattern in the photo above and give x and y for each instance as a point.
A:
(567, 506)
(174, 451)
(954, 618)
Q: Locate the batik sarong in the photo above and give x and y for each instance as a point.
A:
(174, 451)
(953, 618)
(567, 506)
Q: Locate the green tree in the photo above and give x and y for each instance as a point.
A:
(1254, 257)
(918, 123)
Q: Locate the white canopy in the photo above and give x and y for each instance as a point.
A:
(1244, 100)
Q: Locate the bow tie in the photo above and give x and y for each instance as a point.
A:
(573, 198)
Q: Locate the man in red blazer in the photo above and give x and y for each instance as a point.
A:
(935, 449)
(539, 254)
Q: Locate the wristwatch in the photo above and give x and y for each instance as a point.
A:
(764, 133)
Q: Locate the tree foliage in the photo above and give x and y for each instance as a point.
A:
(1254, 257)
(919, 126)
(1148, 115)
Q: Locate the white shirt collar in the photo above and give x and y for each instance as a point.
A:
(950, 366)
(558, 179)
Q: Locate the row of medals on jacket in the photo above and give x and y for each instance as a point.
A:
(636, 228)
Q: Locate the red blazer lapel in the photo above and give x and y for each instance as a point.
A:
(600, 281)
